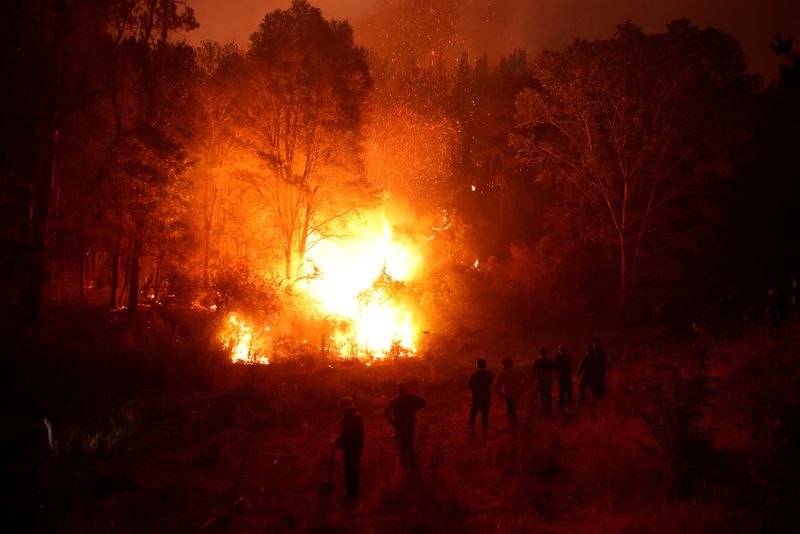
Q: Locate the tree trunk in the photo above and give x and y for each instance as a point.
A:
(81, 275)
(287, 254)
(623, 271)
(133, 279)
(43, 160)
(164, 20)
(157, 281)
(148, 27)
(206, 253)
(112, 300)
(302, 243)
(82, 264)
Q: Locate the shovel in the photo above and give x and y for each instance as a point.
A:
(326, 488)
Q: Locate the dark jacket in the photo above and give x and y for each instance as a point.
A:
(401, 412)
(543, 369)
(563, 363)
(351, 441)
(589, 370)
(600, 354)
(481, 385)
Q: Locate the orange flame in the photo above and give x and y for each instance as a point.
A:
(358, 281)
(237, 337)
(358, 286)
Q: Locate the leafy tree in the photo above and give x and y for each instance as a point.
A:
(218, 140)
(301, 112)
(491, 184)
(148, 21)
(633, 130)
(150, 87)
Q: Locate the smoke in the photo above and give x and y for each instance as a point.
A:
(496, 27)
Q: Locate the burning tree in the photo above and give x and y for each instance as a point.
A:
(300, 116)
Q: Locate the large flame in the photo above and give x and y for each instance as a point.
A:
(357, 286)
(359, 281)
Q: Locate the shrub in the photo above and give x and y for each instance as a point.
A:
(674, 404)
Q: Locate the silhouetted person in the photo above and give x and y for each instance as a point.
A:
(509, 384)
(697, 332)
(699, 346)
(794, 299)
(563, 363)
(351, 441)
(588, 374)
(601, 371)
(774, 313)
(401, 414)
(543, 369)
(481, 385)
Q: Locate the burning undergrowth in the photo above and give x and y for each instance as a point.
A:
(355, 297)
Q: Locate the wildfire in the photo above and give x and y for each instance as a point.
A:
(237, 337)
(356, 287)
(360, 281)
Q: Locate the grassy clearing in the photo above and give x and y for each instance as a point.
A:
(156, 432)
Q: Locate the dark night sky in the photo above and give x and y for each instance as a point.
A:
(536, 24)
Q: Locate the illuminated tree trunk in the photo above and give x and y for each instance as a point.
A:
(623, 271)
(81, 277)
(133, 280)
(287, 258)
(112, 299)
(302, 245)
(206, 254)
(157, 281)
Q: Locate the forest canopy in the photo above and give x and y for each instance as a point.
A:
(139, 169)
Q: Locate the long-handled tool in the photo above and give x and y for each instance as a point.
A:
(326, 488)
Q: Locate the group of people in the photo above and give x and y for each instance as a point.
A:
(400, 413)
(509, 384)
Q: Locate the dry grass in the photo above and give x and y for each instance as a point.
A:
(171, 438)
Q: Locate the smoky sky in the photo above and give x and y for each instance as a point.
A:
(495, 27)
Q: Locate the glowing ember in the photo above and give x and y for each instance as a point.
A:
(360, 282)
(237, 337)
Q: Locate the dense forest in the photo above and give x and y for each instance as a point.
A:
(354, 216)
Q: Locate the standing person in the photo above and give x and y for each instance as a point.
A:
(600, 354)
(699, 347)
(563, 364)
(509, 384)
(774, 313)
(794, 299)
(543, 369)
(401, 414)
(588, 371)
(351, 441)
(481, 385)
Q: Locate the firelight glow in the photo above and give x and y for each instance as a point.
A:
(354, 285)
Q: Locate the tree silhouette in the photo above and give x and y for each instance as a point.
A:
(633, 130)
